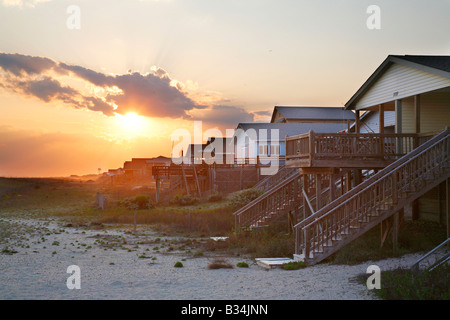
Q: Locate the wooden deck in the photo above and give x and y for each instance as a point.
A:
(348, 150)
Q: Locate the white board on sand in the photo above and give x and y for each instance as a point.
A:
(269, 263)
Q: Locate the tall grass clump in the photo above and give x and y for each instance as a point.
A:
(139, 202)
(414, 236)
(404, 284)
(239, 199)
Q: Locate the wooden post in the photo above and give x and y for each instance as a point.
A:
(135, 221)
(196, 181)
(185, 179)
(398, 124)
(348, 181)
(395, 228)
(381, 127)
(318, 192)
(357, 121)
(381, 117)
(415, 203)
(240, 176)
(417, 113)
(332, 187)
(311, 147)
(158, 187)
(398, 116)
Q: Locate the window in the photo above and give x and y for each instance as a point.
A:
(275, 150)
(263, 150)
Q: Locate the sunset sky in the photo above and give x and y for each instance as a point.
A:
(74, 100)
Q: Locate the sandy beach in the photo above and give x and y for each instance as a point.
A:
(118, 264)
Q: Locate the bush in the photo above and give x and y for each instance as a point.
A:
(241, 198)
(178, 264)
(139, 202)
(215, 196)
(403, 284)
(185, 200)
(294, 265)
(242, 265)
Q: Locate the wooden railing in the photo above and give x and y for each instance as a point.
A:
(177, 170)
(280, 197)
(272, 180)
(286, 195)
(379, 196)
(305, 149)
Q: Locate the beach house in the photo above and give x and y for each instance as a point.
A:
(329, 202)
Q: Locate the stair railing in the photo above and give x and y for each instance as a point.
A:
(376, 193)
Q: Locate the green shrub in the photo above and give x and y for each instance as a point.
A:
(185, 200)
(242, 265)
(294, 265)
(241, 198)
(139, 202)
(178, 264)
(403, 284)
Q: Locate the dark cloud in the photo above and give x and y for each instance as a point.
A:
(19, 64)
(152, 94)
(46, 89)
(226, 117)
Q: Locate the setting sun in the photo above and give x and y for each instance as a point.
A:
(132, 123)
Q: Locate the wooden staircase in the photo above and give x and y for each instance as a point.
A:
(277, 200)
(284, 195)
(273, 180)
(376, 199)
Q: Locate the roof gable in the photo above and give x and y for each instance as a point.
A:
(436, 65)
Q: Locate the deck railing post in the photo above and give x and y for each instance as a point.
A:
(311, 146)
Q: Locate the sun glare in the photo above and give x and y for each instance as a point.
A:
(132, 123)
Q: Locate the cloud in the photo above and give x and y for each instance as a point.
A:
(19, 64)
(152, 94)
(263, 113)
(224, 117)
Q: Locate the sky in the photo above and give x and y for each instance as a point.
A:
(90, 84)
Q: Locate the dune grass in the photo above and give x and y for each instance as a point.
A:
(414, 236)
(403, 284)
(74, 202)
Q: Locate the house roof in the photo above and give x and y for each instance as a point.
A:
(436, 62)
(158, 159)
(313, 113)
(439, 65)
(292, 129)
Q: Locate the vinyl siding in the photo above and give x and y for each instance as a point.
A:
(405, 80)
(434, 112)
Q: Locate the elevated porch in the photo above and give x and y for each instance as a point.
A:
(350, 150)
